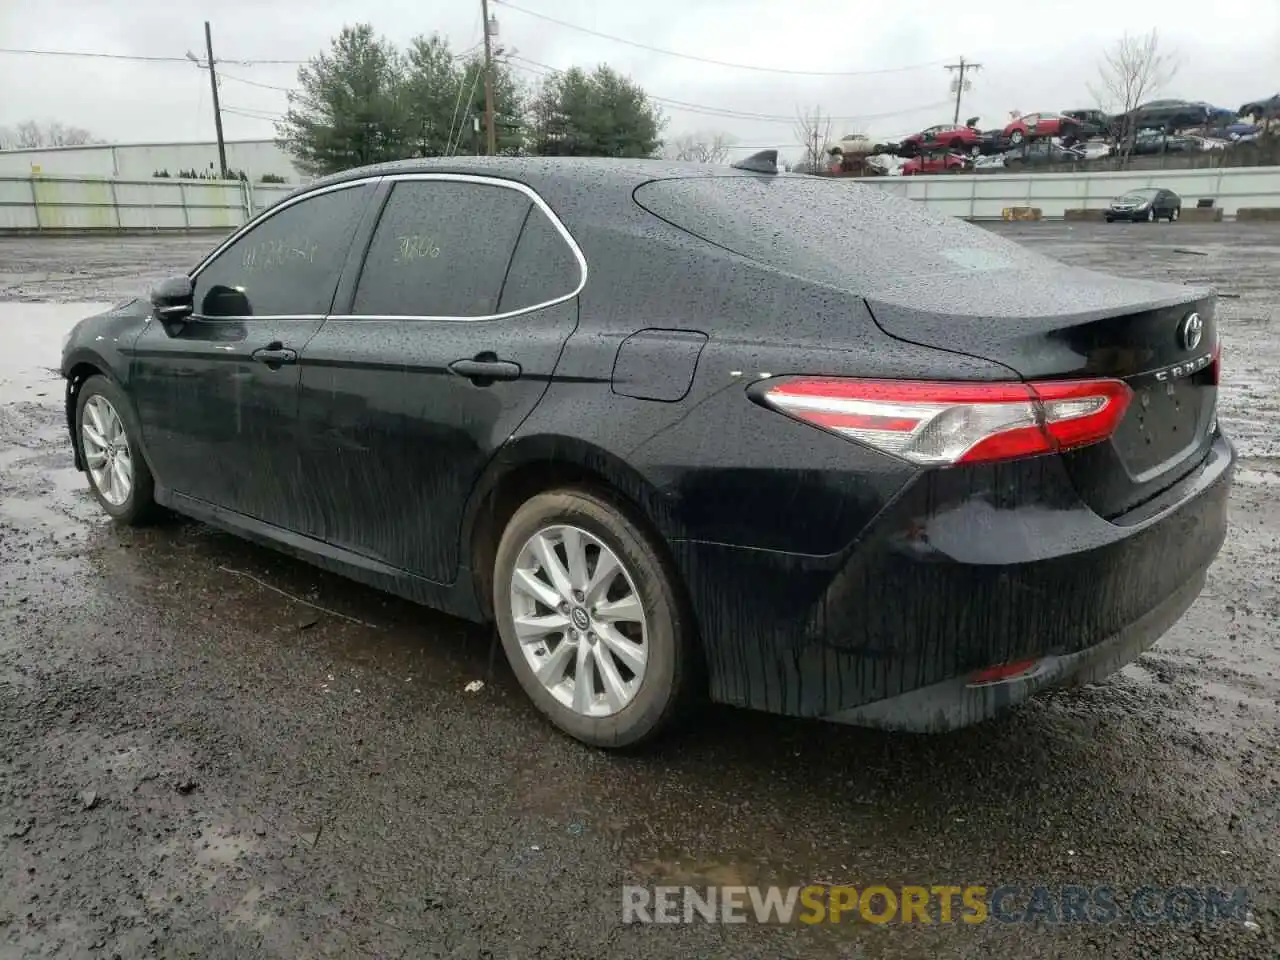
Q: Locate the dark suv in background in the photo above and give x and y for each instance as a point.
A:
(1092, 123)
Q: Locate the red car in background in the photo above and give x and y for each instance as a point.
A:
(920, 165)
(947, 136)
(1033, 126)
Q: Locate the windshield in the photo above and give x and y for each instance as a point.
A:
(1137, 196)
(854, 237)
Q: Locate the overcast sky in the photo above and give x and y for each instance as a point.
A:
(1036, 55)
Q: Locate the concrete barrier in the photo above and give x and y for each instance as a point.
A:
(1020, 213)
(1202, 214)
(1258, 213)
(1079, 213)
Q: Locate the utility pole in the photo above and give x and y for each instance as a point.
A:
(217, 110)
(960, 69)
(488, 81)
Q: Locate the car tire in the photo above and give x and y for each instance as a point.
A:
(665, 688)
(1016, 138)
(1174, 214)
(1110, 219)
(109, 415)
(1151, 215)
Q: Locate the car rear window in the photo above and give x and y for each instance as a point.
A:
(851, 236)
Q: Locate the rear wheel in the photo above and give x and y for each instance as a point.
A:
(1174, 214)
(591, 619)
(1150, 215)
(1110, 219)
(108, 438)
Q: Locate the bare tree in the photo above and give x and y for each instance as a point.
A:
(63, 136)
(813, 131)
(1131, 71)
(701, 147)
(30, 135)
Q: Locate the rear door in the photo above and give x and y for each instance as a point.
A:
(467, 293)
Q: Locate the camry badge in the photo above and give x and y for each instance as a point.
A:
(1191, 331)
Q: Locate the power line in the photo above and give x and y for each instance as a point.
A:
(255, 83)
(253, 114)
(80, 53)
(709, 60)
(137, 58)
(708, 110)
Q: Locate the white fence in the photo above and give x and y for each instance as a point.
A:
(984, 196)
(83, 203)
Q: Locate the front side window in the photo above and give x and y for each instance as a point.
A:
(288, 265)
(441, 249)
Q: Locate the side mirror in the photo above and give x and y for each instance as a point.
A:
(173, 299)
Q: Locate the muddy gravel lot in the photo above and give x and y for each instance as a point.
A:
(207, 749)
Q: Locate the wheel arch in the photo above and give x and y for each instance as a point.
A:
(76, 369)
(531, 465)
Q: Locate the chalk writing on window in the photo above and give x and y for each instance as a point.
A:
(270, 254)
(416, 247)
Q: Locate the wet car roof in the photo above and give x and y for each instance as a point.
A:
(543, 172)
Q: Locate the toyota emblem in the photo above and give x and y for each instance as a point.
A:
(1192, 330)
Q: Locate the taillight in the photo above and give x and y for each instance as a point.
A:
(1215, 377)
(947, 423)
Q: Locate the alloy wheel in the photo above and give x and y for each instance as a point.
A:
(579, 620)
(106, 450)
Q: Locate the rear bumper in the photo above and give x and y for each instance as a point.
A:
(966, 569)
(957, 703)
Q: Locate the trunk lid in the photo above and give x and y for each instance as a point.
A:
(1157, 338)
(939, 282)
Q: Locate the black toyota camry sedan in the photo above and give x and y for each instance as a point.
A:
(681, 431)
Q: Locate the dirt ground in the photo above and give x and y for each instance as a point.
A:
(195, 763)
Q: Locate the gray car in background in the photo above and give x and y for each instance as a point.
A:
(1149, 203)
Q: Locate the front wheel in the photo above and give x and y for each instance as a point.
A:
(1016, 137)
(108, 438)
(592, 619)
(1151, 215)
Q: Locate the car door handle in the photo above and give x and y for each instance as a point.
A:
(275, 355)
(486, 368)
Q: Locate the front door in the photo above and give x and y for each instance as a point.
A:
(466, 296)
(217, 395)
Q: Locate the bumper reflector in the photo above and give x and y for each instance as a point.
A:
(1004, 672)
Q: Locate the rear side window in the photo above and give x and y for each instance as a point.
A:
(287, 265)
(543, 269)
(857, 238)
(441, 249)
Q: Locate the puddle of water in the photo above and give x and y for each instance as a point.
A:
(32, 334)
(1245, 475)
